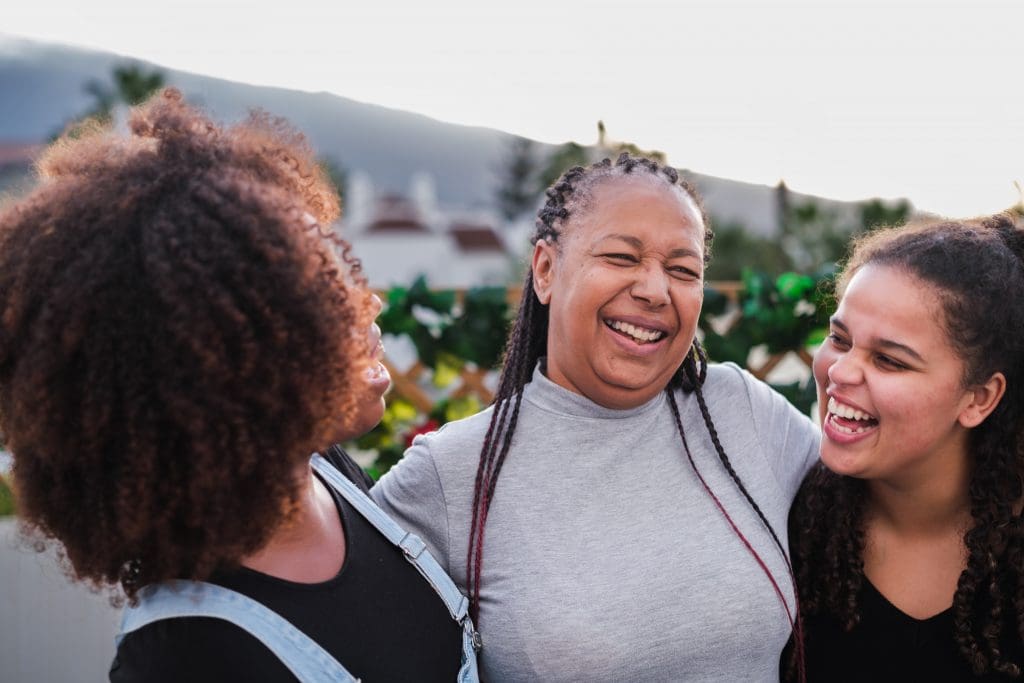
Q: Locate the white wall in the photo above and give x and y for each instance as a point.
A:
(51, 630)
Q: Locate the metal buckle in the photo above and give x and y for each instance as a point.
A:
(412, 546)
(478, 642)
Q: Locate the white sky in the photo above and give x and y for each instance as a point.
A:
(916, 98)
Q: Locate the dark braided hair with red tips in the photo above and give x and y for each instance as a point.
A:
(568, 196)
(969, 264)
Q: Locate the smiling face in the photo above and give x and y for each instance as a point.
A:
(890, 386)
(624, 289)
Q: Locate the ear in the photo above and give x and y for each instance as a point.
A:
(543, 266)
(982, 400)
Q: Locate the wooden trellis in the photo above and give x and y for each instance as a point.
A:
(472, 380)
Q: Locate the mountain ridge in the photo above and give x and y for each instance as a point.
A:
(43, 87)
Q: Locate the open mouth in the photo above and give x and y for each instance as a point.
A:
(849, 420)
(635, 333)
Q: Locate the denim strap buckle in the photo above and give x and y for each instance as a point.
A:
(412, 546)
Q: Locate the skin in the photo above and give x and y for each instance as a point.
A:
(377, 382)
(634, 254)
(889, 356)
(310, 547)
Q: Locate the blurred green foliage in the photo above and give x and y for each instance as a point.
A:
(6, 498)
(442, 330)
(130, 84)
(447, 335)
(810, 234)
(779, 313)
(783, 313)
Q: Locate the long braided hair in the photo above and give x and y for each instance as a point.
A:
(969, 263)
(527, 344)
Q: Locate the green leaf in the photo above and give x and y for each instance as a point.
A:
(794, 286)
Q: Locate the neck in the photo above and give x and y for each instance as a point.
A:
(309, 546)
(933, 502)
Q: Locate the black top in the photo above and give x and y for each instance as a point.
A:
(887, 645)
(378, 617)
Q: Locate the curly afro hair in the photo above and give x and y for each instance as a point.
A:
(179, 330)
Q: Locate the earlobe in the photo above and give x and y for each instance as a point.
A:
(542, 267)
(984, 398)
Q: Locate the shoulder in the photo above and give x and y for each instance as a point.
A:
(194, 649)
(728, 382)
(458, 432)
(729, 374)
(450, 447)
(745, 405)
(436, 459)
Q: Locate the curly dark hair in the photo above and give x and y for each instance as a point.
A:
(970, 263)
(179, 330)
(570, 195)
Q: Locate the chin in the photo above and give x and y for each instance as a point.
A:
(368, 417)
(842, 463)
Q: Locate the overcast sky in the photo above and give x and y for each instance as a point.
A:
(843, 99)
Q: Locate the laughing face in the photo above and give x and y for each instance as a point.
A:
(890, 385)
(624, 288)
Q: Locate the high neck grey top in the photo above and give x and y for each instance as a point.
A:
(604, 557)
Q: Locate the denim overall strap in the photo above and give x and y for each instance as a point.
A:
(415, 552)
(305, 658)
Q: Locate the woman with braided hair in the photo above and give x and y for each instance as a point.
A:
(908, 539)
(615, 515)
(180, 328)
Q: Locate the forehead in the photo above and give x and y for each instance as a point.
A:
(643, 204)
(886, 302)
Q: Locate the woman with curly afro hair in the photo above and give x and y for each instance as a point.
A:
(179, 330)
(908, 539)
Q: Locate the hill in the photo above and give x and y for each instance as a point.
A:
(42, 87)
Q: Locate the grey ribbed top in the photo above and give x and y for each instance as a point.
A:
(604, 558)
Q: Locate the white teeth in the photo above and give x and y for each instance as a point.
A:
(847, 430)
(638, 333)
(842, 410)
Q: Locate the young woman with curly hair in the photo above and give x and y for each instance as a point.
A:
(618, 514)
(908, 539)
(179, 330)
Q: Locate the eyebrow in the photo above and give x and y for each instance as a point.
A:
(638, 244)
(883, 342)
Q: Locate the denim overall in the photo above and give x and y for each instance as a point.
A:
(305, 658)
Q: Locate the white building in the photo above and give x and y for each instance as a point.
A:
(399, 238)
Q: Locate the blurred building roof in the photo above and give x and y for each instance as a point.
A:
(470, 237)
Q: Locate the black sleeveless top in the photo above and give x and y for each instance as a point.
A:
(887, 645)
(378, 617)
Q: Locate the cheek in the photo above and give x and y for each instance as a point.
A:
(688, 304)
(919, 408)
(823, 359)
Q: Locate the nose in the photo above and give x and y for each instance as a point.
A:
(651, 284)
(845, 369)
(376, 305)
